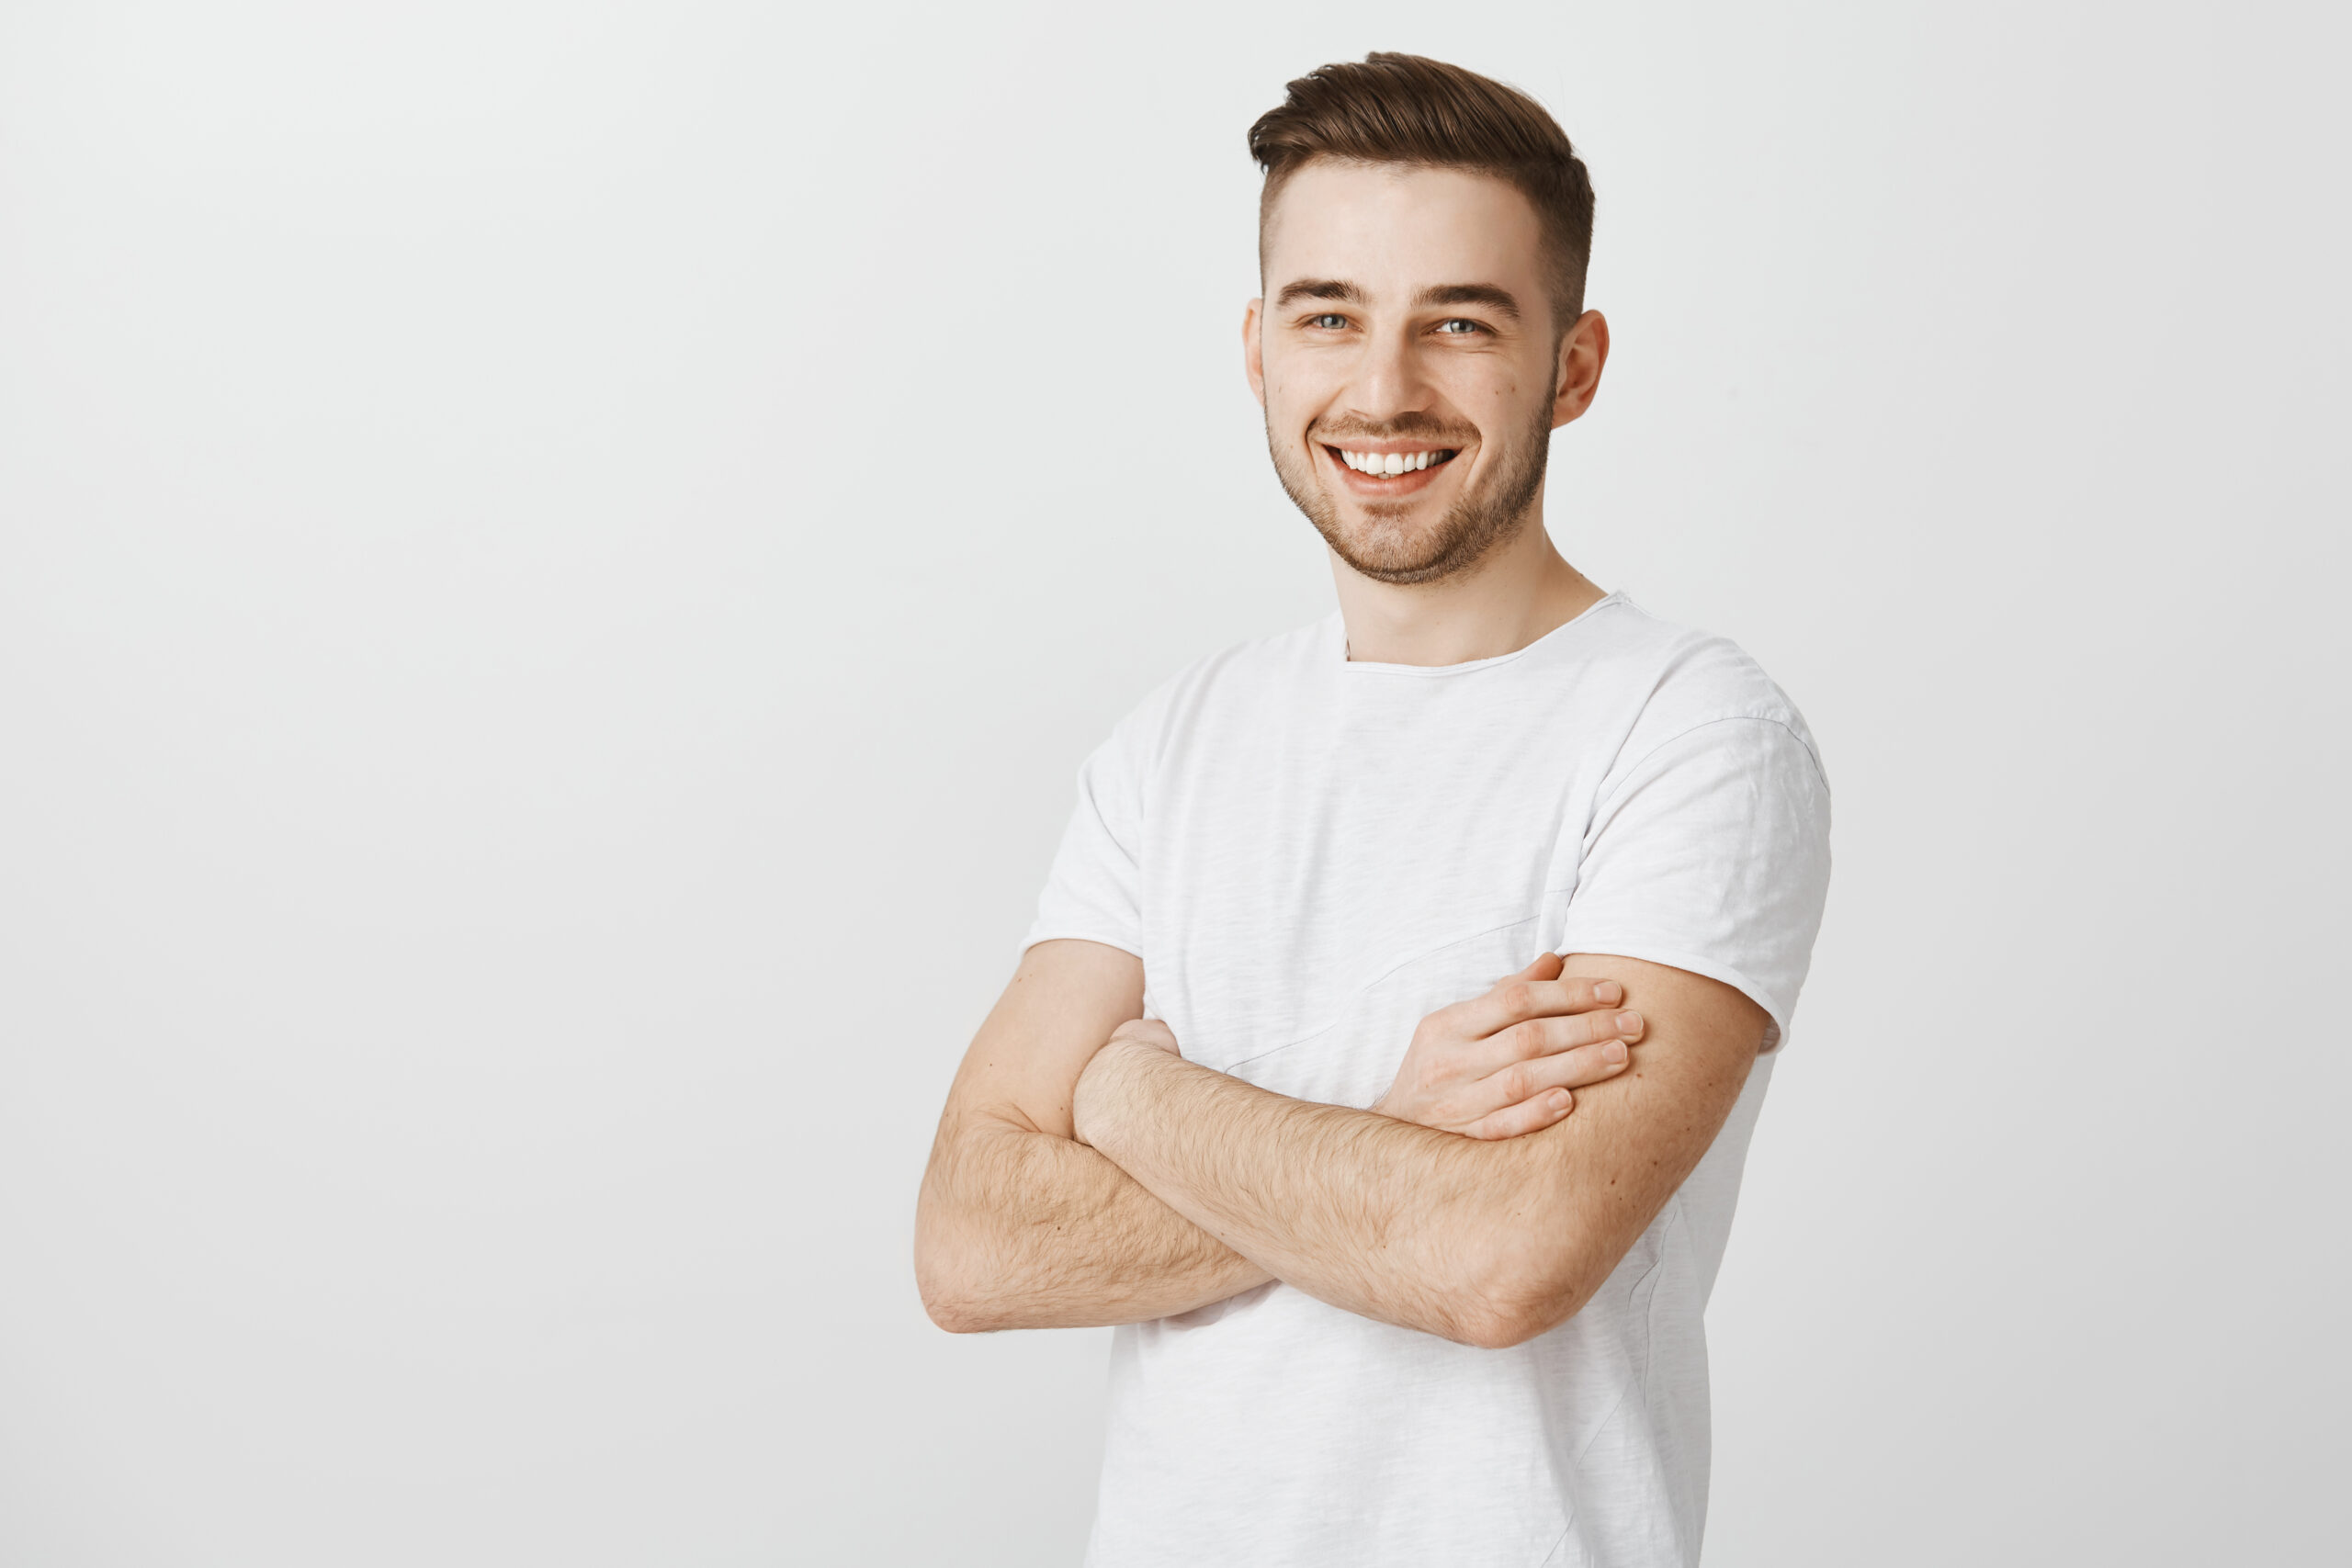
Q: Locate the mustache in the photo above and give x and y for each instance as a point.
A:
(1404, 427)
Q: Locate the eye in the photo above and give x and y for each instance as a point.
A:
(1459, 327)
(1328, 321)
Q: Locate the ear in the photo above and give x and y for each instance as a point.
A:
(1253, 352)
(1584, 349)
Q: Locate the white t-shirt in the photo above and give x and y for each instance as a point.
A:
(1310, 856)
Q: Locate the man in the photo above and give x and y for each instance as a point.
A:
(1409, 1265)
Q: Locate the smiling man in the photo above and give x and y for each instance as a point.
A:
(1385, 1053)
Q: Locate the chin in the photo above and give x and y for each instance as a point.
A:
(1411, 542)
(1390, 554)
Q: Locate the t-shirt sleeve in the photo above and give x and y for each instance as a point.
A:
(1094, 889)
(1710, 853)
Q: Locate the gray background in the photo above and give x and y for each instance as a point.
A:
(556, 562)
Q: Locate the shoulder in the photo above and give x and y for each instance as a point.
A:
(1674, 680)
(1231, 683)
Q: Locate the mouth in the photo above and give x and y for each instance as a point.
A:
(1386, 467)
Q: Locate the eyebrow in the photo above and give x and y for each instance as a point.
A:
(1318, 288)
(1500, 300)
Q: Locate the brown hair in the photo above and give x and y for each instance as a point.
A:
(1404, 109)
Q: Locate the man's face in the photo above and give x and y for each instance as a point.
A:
(1405, 326)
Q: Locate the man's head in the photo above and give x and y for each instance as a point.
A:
(1422, 242)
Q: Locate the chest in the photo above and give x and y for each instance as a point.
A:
(1312, 889)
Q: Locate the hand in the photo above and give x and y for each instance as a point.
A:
(1086, 1099)
(1505, 1062)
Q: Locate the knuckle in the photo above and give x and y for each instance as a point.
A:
(1519, 996)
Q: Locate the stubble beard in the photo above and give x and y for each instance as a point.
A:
(1388, 552)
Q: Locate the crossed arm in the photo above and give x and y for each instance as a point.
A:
(1077, 1182)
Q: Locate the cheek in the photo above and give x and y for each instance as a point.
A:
(1302, 379)
(1289, 407)
(1501, 402)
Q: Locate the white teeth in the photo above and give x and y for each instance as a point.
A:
(1386, 462)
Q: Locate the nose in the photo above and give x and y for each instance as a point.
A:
(1387, 379)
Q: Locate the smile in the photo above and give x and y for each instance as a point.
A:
(1401, 471)
(1390, 464)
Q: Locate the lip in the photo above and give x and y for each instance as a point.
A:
(1387, 486)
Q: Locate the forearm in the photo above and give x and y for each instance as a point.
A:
(1022, 1229)
(1390, 1220)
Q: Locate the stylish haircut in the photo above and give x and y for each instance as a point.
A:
(1405, 108)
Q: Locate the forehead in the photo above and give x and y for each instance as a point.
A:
(1395, 227)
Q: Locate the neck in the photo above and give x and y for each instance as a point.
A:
(1521, 590)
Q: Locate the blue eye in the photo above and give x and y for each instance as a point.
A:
(1458, 327)
(1330, 322)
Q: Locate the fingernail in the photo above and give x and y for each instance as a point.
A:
(1629, 1024)
(1609, 993)
(1613, 1052)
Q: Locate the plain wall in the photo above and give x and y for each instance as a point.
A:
(557, 563)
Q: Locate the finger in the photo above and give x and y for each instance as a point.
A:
(1547, 966)
(1540, 1037)
(1516, 999)
(1579, 1068)
(1527, 1116)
